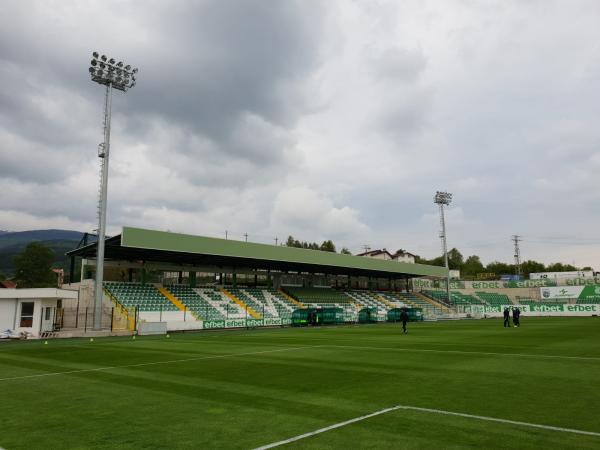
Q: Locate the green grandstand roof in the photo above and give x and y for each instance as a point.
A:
(162, 241)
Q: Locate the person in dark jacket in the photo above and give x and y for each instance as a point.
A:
(404, 319)
(517, 317)
(506, 318)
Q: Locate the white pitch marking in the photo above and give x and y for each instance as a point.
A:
(464, 352)
(98, 369)
(426, 410)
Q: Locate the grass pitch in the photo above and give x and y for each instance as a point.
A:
(246, 389)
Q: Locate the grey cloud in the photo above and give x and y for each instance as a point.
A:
(397, 64)
(221, 80)
(412, 98)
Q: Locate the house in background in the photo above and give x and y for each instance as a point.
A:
(400, 255)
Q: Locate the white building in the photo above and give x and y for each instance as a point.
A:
(400, 255)
(31, 310)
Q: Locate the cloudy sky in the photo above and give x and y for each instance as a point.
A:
(321, 119)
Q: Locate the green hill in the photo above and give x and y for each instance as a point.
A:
(59, 241)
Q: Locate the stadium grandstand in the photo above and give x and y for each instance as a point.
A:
(194, 282)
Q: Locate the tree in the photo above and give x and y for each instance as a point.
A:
(455, 259)
(32, 266)
(345, 251)
(531, 266)
(439, 261)
(500, 268)
(560, 267)
(328, 246)
(472, 266)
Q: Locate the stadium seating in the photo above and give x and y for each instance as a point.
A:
(439, 296)
(144, 297)
(255, 301)
(212, 304)
(196, 303)
(589, 301)
(457, 298)
(279, 298)
(494, 299)
(429, 309)
(316, 295)
(464, 299)
(368, 299)
(222, 303)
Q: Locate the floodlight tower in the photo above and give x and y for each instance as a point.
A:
(444, 199)
(516, 239)
(114, 75)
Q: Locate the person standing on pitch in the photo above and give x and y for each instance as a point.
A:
(517, 317)
(506, 318)
(404, 319)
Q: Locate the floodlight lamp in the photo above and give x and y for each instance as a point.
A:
(95, 54)
(442, 198)
(111, 61)
(92, 70)
(104, 58)
(135, 70)
(120, 64)
(128, 67)
(94, 62)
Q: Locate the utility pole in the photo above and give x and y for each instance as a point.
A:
(444, 199)
(113, 75)
(366, 248)
(226, 234)
(516, 239)
(246, 236)
(276, 240)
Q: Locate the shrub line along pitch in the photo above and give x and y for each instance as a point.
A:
(153, 363)
(426, 410)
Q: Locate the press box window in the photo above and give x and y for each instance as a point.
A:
(27, 314)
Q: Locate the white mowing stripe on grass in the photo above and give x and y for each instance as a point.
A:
(465, 352)
(154, 363)
(427, 410)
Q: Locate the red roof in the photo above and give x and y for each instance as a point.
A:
(7, 284)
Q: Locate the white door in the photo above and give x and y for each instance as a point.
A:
(48, 316)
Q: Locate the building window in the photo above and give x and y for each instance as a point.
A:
(47, 314)
(26, 315)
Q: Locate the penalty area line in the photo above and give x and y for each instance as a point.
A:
(432, 411)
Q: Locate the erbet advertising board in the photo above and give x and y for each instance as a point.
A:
(538, 310)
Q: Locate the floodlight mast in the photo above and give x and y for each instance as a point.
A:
(111, 74)
(444, 199)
